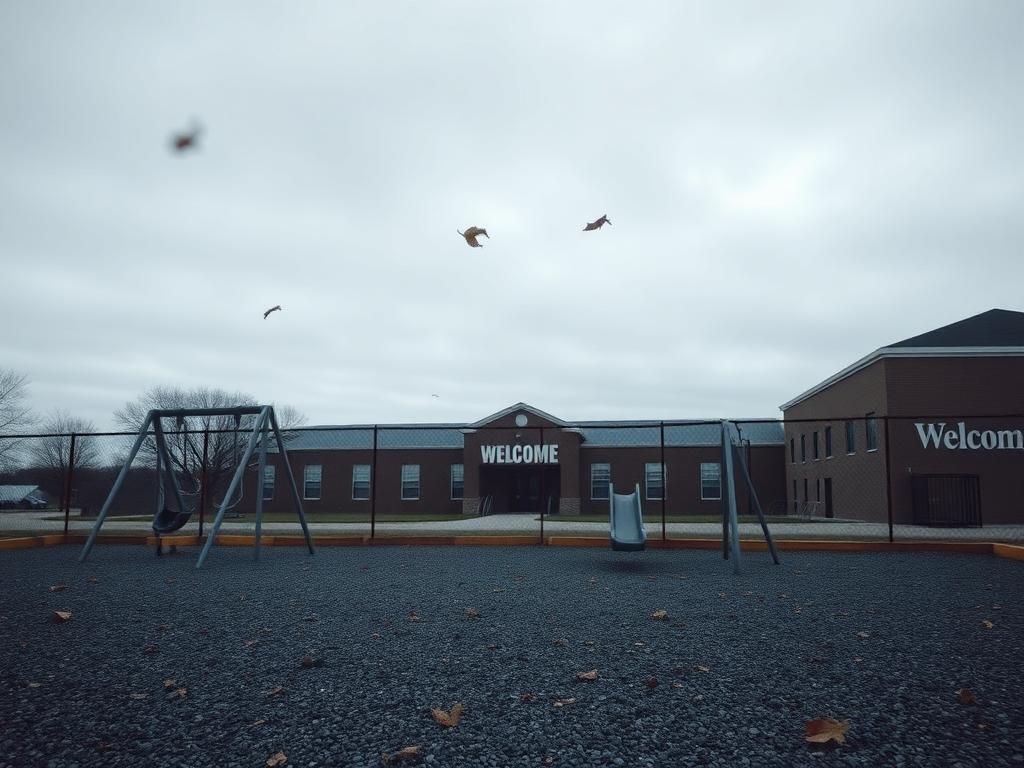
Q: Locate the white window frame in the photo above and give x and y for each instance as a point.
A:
(369, 482)
(306, 481)
(408, 470)
(271, 471)
(462, 482)
(608, 485)
(718, 467)
(658, 468)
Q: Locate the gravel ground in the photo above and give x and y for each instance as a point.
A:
(729, 679)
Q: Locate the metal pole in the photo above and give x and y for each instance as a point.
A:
(291, 478)
(202, 479)
(117, 486)
(68, 484)
(543, 471)
(235, 482)
(730, 484)
(888, 478)
(259, 486)
(373, 485)
(757, 506)
(664, 482)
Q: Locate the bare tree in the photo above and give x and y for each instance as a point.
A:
(15, 416)
(54, 450)
(226, 439)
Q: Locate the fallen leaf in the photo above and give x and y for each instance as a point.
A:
(702, 668)
(589, 677)
(826, 729)
(413, 616)
(492, 647)
(169, 684)
(258, 722)
(965, 696)
(863, 634)
(138, 696)
(857, 658)
(677, 685)
(588, 642)
(524, 697)
(448, 719)
(375, 635)
(61, 616)
(277, 690)
(178, 693)
(549, 760)
(652, 682)
(639, 645)
(406, 753)
(104, 746)
(264, 631)
(250, 643)
(93, 580)
(984, 727)
(277, 759)
(472, 613)
(58, 587)
(151, 648)
(564, 702)
(308, 662)
(311, 617)
(561, 641)
(987, 624)
(660, 615)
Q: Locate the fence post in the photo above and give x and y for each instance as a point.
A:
(68, 483)
(664, 482)
(373, 486)
(888, 478)
(543, 500)
(202, 480)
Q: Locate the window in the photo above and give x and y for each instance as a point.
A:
(710, 482)
(817, 489)
(805, 490)
(796, 501)
(851, 437)
(410, 482)
(458, 472)
(792, 450)
(828, 442)
(814, 444)
(360, 482)
(871, 432)
(311, 481)
(600, 481)
(268, 482)
(803, 447)
(654, 478)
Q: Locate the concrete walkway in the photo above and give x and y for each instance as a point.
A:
(13, 522)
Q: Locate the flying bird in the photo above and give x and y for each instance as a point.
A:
(597, 224)
(272, 309)
(435, 395)
(186, 139)
(472, 234)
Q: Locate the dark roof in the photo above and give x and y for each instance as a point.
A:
(994, 328)
(610, 434)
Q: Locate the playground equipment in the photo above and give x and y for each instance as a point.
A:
(167, 519)
(627, 532)
(732, 457)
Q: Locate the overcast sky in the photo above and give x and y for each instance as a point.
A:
(790, 185)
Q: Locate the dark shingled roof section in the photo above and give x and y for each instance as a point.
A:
(610, 434)
(995, 328)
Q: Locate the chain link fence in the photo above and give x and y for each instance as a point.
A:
(875, 478)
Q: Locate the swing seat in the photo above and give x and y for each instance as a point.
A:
(169, 521)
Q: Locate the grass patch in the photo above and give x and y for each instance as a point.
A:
(286, 517)
(656, 519)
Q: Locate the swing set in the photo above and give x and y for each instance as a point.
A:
(172, 517)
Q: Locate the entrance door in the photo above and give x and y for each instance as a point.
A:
(524, 493)
(828, 498)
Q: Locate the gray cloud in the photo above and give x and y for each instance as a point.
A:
(790, 188)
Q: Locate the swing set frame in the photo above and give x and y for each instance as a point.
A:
(259, 438)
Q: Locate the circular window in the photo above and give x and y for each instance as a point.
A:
(521, 420)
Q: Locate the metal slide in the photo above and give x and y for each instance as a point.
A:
(627, 522)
